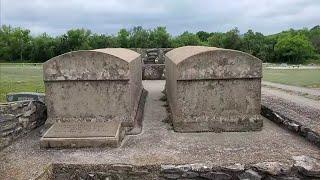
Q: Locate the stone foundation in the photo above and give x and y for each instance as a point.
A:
(19, 118)
(303, 168)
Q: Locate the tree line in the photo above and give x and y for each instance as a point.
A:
(291, 46)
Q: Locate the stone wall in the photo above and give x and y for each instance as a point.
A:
(291, 124)
(304, 167)
(19, 118)
(153, 62)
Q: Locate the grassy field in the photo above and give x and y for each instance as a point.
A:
(296, 77)
(19, 78)
(28, 78)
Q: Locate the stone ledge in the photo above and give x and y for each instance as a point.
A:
(304, 167)
(291, 125)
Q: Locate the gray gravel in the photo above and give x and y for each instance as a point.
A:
(158, 145)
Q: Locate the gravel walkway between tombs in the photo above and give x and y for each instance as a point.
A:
(158, 144)
(301, 109)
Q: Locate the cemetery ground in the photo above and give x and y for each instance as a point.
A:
(27, 77)
(273, 150)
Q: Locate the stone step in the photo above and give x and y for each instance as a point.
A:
(83, 135)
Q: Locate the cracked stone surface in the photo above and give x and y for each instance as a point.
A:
(157, 145)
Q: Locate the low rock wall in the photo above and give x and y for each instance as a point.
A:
(304, 167)
(18, 118)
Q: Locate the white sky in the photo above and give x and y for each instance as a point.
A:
(108, 16)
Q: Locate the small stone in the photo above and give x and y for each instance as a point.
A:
(250, 175)
(307, 165)
(170, 169)
(313, 137)
(190, 175)
(236, 167)
(171, 175)
(273, 168)
(216, 176)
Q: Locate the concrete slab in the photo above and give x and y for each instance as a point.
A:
(159, 145)
(84, 134)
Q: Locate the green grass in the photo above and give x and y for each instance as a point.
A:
(296, 77)
(19, 77)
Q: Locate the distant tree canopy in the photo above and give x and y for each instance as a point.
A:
(292, 46)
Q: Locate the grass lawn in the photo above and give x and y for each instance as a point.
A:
(28, 78)
(296, 77)
(20, 78)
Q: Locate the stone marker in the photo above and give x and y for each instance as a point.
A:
(95, 86)
(212, 89)
(25, 96)
(85, 134)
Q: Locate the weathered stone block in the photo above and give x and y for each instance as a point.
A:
(153, 72)
(85, 134)
(95, 85)
(25, 96)
(213, 89)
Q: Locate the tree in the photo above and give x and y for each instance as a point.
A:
(159, 37)
(97, 41)
(216, 40)
(42, 48)
(232, 39)
(139, 37)
(253, 43)
(293, 48)
(315, 38)
(14, 43)
(186, 39)
(203, 36)
(123, 38)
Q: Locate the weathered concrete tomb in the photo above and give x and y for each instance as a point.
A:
(213, 89)
(98, 86)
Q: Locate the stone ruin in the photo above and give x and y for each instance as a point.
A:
(153, 62)
(213, 89)
(95, 98)
(102, 87)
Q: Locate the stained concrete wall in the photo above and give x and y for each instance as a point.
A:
(212, 89)
(93, 85)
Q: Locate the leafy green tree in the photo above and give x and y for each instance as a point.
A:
(97, 41)
(293, 48)
(186, 39)
(139, 37)
(253, 43)
(203, 36)
(42, 49)
(315, 38)
(232, 40)
(123, 38)
(216, 40)
(159, 37)
(14, 43)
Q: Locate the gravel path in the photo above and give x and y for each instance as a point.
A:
(298, 108)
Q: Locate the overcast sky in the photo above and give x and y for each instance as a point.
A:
(108, 16)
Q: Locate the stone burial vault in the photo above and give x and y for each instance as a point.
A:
(92, 97)
(213, 89)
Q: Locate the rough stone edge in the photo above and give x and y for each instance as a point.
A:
(156, 67)
(137, 129)
(291, 125)
(264, 170)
